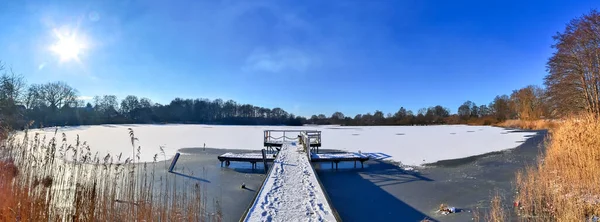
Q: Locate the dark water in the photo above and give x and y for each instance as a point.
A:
(222, 184)
(385, 192)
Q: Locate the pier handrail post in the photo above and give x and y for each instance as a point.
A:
(264, 156)
(306, 145)
(175, 158)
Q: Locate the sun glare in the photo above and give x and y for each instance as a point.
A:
(68, 46)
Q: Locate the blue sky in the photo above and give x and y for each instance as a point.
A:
(307, 57)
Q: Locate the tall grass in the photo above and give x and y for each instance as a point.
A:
(48, 179)
(565, 184)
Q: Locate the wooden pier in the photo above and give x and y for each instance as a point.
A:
(291, 178)
(292, 191)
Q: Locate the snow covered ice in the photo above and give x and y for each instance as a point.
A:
(410, 145)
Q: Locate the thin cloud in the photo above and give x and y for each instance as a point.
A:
(85, 98)
(41, 66)
(278, 61)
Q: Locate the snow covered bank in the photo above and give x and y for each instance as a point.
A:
(411, 145)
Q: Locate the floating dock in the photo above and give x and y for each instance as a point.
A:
(334, 158)
(339, 157)
(252, 158)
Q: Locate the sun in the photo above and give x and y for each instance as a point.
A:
(68, 46)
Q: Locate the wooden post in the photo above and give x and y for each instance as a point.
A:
(175, 158)
(264, 155)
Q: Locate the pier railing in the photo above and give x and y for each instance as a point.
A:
(282, 136)
(305, 142)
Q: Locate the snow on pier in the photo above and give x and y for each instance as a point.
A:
(291, 191)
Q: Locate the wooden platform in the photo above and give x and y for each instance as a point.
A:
(334, 158)
(339, 157)
(252, 158)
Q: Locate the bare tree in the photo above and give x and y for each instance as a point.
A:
(34, 97)
(59, 94)
(146, 103)
(501, 107)
(106, 103)
(12, 87)
(129, 104)
(337, 116)
(573, 81)
(484, 111)
(475, 111)
(54, 95)
(11, 92)
(464, 111)
(529, 102)
(401, 114)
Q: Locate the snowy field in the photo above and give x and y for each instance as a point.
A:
(410, 145)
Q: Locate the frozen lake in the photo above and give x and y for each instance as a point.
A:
(410, 145)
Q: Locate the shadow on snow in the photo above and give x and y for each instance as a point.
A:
(355, 193)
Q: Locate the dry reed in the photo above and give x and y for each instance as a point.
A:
(564, 185)
(528, 124)
(48, 180)
(496, 213)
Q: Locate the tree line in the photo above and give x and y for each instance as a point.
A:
(57, 104)
(528, 103)
(572, 85)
